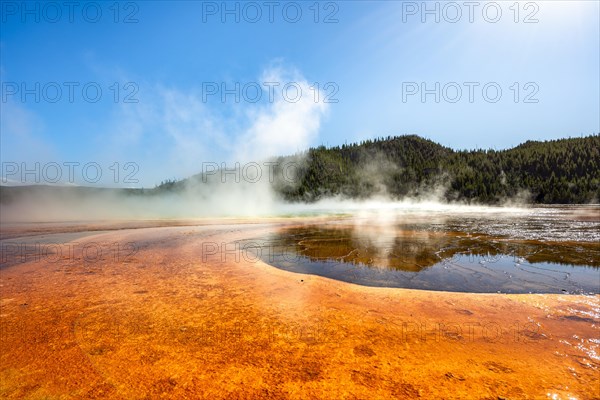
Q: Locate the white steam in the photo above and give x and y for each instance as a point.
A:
(177, 134)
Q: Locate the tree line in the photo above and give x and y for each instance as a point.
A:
(557, 171)
(563, 171)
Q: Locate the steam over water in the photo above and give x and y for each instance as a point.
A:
(429, 245)
(466, 249)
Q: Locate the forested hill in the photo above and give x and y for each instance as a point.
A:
(557, 171)
(565, 171)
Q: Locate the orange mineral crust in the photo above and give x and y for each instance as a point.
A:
(151, 311)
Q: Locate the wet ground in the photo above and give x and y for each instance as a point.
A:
(150, 311)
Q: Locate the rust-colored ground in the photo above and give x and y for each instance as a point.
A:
(173, 319)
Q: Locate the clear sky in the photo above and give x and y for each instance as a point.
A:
(180, 81)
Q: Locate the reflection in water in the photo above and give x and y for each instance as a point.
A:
(457, 254)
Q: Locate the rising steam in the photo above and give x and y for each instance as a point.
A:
(242, 185)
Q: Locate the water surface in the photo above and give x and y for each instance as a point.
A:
(542, 250)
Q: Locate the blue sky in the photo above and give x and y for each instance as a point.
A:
(370, 59)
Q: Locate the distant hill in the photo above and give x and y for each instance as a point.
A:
(565, 171)
(557, 171)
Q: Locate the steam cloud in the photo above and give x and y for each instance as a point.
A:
(191, 133)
